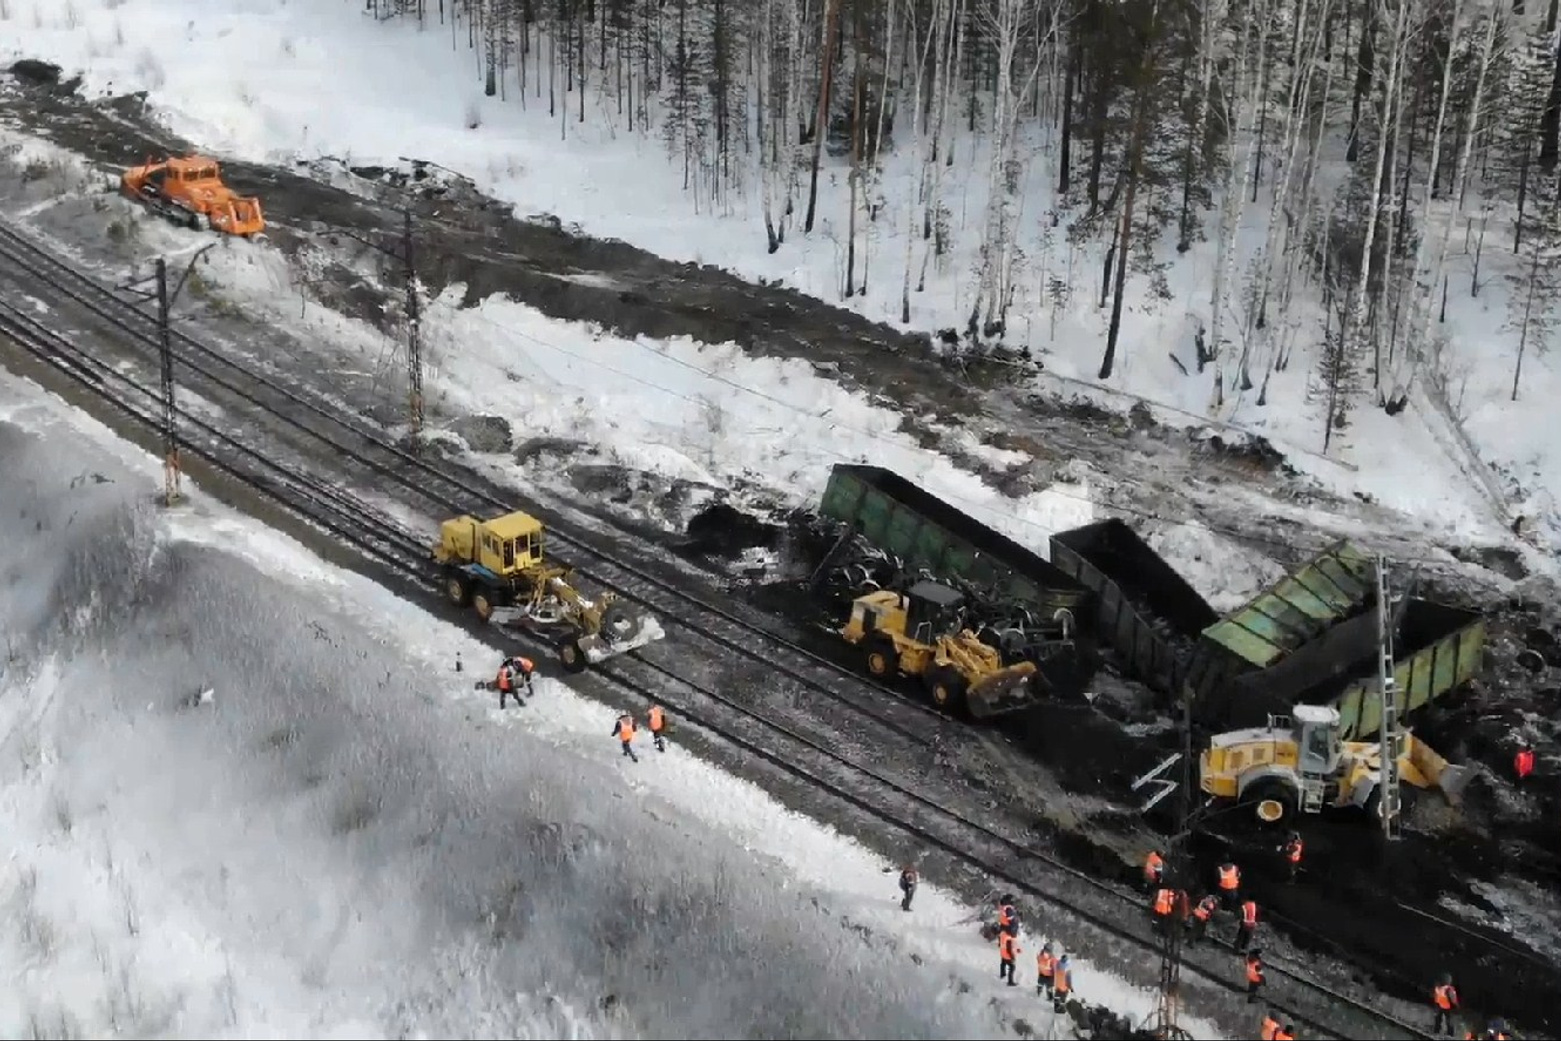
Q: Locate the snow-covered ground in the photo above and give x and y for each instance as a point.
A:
(349, 841)
(245, 77)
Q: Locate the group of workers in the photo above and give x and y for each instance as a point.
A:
(655, 721)
(1172, 909)
(1169, 908)
(1053, 973)
(514, 677)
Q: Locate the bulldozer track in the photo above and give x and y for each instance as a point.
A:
(813, 759)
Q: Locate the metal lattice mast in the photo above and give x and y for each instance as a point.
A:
(1389, 802)
(414, 336)
(1168, 1005)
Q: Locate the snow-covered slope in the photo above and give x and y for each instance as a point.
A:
(247, 75)
(348, 841)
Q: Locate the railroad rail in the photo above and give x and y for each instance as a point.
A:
(811, 759)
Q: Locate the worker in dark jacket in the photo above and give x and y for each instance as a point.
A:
(908, 880)
(1291, 851)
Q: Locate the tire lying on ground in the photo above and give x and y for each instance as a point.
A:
(1271, 800)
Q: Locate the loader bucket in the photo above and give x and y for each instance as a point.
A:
(1428, 769)
(1006, 690)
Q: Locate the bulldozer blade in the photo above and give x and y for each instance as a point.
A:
(626, 636)
(1007, 690)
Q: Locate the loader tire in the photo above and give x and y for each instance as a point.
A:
(458, 589)
(946, 688)
(572, 656)
(1272, 802)
(879, 658)
(482, 603)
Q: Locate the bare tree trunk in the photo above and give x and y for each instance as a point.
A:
(821, 123)
(1385, 133)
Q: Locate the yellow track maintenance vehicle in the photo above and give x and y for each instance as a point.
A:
(918, 634)
(1299, 764)
(497, 567)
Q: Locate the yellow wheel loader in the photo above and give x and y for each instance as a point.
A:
(918, 634)
(497, 568)
(1299, 764)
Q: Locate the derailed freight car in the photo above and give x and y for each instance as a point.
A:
(1312, 639)
(1144, 609)
(897, 517)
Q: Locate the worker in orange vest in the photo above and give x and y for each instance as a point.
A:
(1444, 998)
(1045, 970)
(1255, 977)
(1007, 917)
(656, 720)
(1198, 924)
(624, 732)
(504, 683)
(1008, 951)
(1269, 1029)
(1230, 884)
(1162, 909)
(1248, 926)
(1154, 870)
(1291, 851)
(1062, 984)
(1523, 763)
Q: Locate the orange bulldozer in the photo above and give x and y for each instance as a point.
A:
(189, 190)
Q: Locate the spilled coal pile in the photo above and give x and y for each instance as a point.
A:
(320, 846)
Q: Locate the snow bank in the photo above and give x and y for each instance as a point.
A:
(136, 916)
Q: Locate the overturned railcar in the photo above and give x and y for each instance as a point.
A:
(1144, 610)
(1313, 639)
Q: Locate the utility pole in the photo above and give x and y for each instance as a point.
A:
(414, 337)
(1390, 733)
(164, 299)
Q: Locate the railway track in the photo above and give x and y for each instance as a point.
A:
(811, 758)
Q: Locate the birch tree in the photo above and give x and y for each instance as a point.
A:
(1398, 40)
(1428, 272)
(1016, 26)
(1241, 108)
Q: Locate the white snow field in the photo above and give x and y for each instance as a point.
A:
(247, 77)
(349, 841)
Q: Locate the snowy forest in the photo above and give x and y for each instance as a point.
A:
(1331, 156)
